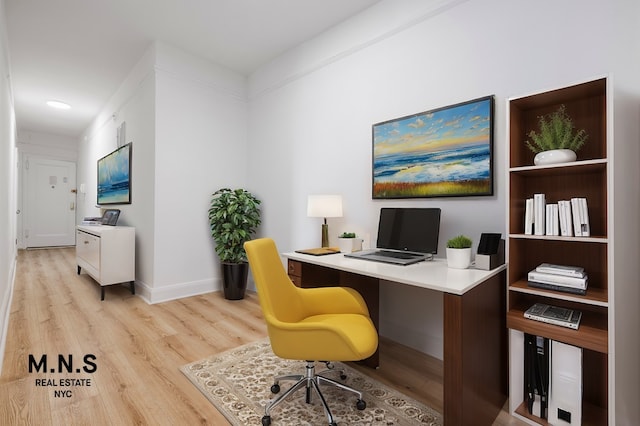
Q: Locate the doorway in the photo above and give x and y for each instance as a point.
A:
(50, 202)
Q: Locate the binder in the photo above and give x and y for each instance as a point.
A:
(536, 370)
(565, 389)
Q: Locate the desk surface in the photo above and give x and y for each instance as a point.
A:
(433, 274)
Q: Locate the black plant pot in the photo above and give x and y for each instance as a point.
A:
(234, 280)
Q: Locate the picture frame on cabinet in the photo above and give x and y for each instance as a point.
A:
(444, 152)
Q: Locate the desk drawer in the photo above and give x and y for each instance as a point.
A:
(295, 268)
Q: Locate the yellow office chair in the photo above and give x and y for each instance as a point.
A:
(312, 324)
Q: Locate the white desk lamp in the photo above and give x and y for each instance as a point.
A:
(324, 206)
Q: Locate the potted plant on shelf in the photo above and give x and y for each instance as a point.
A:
(459, 252)
(557, 141)
(349, 242)
(234, 216)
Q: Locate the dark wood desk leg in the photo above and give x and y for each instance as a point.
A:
(475, 354)
(369, 288)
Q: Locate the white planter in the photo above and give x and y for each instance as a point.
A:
(349, 245)
(554, 156)
(458, 258)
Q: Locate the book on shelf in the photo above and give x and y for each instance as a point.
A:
(566, 270)
(580, 216)
(561, 288)
(559, 280)
(555, 315)
(539, 223)
(528, 216)
(552, 220)
(566, 221)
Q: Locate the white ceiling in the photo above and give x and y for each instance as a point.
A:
(79, 51)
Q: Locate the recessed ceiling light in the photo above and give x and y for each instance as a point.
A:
(58, 104)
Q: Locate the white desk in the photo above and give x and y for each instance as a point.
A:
(432, 275)
(474, 323)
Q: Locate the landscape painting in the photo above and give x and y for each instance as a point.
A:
(446, 152)
(114, 177)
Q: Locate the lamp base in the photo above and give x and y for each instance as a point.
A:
(325, 235)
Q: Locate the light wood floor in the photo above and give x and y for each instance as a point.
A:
(138, 349)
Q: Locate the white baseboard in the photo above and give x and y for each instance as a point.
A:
(154, 295)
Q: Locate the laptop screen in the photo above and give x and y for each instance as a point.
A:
(409, 229)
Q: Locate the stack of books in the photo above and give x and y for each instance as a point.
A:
(92, 221)
(569, 279)
(566, 218)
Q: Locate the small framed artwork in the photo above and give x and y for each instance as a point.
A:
(445, 152)
(110, 217)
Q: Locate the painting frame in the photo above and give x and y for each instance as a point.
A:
(443, 152)
(114, 177)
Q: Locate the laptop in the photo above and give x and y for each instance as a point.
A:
(405, 236)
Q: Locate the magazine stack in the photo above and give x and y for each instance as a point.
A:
(568, 279)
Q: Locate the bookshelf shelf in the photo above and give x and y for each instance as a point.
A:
(590, 335)
(594, 239)
(584, 166)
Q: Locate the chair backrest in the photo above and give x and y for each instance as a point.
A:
(277, 294)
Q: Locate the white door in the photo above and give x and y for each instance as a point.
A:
(50, 194)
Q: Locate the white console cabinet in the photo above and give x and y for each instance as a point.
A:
(107, 254)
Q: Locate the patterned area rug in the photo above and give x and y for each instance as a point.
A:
(238, 384)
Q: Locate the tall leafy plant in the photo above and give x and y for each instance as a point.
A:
(234, 216)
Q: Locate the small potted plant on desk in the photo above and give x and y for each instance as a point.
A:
(234, 216)
(348, 242)
(459, 252)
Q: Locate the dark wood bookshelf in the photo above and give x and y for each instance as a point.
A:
(588, 177)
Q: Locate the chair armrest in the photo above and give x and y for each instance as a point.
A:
(332, 300)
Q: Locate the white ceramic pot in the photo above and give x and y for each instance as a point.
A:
(458, 258)
(554, 156)
(349, 245)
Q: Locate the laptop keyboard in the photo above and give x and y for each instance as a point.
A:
(395, 255)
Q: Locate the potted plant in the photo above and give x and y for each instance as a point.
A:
(459, 252)
(234, 216)
(348, 242)
(557, 141)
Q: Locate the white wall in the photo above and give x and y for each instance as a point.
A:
(134, 104)
(201, 145)
(187, 120)
(311, 111)
(8, 185)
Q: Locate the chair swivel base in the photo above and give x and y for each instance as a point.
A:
(310, 380)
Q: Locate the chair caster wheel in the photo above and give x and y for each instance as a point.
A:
(275, 389)
(266, 420)
(361, 404)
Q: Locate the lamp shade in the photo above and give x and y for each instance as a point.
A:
(324, 206)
